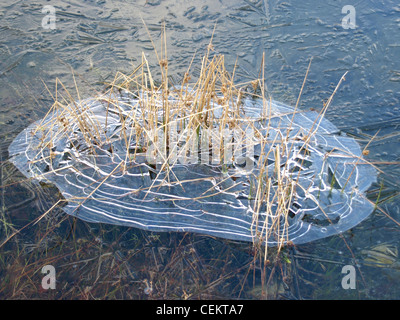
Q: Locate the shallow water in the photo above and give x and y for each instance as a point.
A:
(97, 38)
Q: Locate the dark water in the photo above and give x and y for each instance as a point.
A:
(92, 40)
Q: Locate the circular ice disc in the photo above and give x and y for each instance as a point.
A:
(108, 178)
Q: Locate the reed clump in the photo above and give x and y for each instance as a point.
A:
(184, 123)
(205, 120)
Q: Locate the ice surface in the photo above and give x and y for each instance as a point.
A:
(325, 167)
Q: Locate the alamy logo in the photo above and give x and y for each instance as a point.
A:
(49, 21)
(349, 280)
(349, 21)
(49, 280)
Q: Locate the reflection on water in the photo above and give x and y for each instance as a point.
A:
(94, 40)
